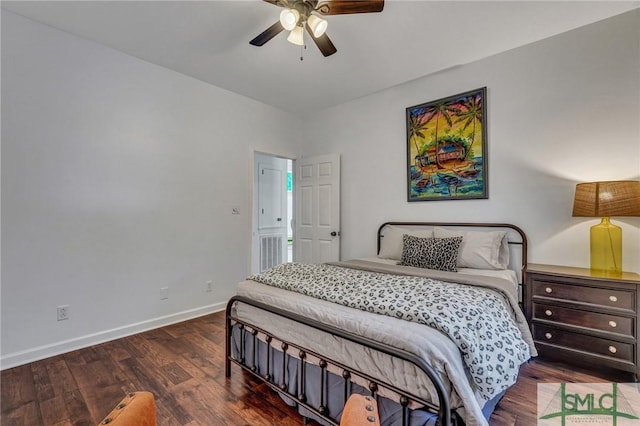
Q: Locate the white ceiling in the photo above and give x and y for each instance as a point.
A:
(209, 40)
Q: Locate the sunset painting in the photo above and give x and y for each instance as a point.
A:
(447, 148)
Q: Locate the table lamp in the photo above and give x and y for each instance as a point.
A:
(606, 199)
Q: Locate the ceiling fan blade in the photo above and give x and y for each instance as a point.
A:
(267, 34)
(323, 42)
(343, 7)
(281, 3)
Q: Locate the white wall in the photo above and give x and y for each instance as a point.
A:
(560, 111)
(118, 178)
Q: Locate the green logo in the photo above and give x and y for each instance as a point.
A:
(589, 404)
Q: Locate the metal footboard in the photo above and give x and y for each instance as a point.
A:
(445, 415)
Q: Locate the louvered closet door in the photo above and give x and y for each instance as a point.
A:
(317, 204)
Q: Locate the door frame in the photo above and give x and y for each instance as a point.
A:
(255, 257)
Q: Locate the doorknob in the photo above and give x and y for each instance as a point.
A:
(279, 219)
(334, 234)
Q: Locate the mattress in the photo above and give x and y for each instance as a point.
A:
(505, 274)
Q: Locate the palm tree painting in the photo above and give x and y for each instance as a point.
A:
(447, 148)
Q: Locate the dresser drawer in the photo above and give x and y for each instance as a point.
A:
(582, 342)
(596, 321)
(608, 298)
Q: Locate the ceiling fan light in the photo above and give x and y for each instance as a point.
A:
(296, 36)
(318, 25)
(289, 18)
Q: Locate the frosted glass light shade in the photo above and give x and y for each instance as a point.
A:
(318, 25)
(606, 248)
(289, 18)
(296, 36)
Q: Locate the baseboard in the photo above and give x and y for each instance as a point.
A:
(42, 352)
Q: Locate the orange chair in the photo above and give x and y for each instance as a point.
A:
(135, 409)
(360, 410)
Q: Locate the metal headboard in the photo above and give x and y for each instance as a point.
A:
(513, 236)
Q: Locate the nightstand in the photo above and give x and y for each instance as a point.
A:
(582, 318)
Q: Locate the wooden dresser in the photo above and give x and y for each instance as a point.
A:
(583, 318)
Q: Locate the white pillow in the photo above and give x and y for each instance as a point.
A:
(479, 249)
(391, 242)
(503, 256)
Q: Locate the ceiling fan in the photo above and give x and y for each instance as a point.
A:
(302, 14)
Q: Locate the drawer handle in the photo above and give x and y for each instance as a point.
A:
(548, 335)
(612, 349)
(548, 313)
(613, 324)
(548, 290)
(613, 298)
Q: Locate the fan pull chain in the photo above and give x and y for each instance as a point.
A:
(303, 46)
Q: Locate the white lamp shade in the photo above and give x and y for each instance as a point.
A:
(318, 25)
(296, 36)
(289, 18)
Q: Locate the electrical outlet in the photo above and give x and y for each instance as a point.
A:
(209, 286)
(164, 293)
(63, 312)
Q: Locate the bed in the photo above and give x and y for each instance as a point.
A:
(318, 333)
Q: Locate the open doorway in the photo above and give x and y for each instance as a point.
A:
(272, 232)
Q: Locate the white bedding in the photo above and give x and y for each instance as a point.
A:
(505, 274)
(423, 341)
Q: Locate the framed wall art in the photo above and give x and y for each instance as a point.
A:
(447, 148)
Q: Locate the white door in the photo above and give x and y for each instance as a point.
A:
(317, 209)
(270, 216)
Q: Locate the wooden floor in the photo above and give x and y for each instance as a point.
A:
(182, 365)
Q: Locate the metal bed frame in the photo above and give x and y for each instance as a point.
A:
(445, 415)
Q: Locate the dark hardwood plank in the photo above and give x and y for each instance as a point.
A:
(25, 414)
(17, 387)
(54, 411)
(61, 378)
(115, 349)
(42, 382)
(183, 366)
(176, 374)
(78, 410)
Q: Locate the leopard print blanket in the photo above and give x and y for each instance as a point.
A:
(478, 320)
